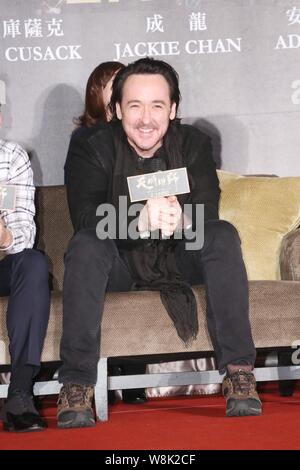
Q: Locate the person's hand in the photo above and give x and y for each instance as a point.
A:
(149, 216)
(5, 235)
(162, 213)
(170, 216)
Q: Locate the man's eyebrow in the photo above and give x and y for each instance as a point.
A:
(154, 101)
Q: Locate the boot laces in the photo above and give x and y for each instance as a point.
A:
(242, 382)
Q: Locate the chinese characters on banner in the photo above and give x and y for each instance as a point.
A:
(32, 28)
(37, 28)
(195, 22)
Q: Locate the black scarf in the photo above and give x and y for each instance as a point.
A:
(152, 262)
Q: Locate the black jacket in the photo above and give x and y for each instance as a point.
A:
(89, 169)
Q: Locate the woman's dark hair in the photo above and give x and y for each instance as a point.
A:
(94, 110)
(146, 66)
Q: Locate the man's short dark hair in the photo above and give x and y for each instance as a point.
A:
(146, 66)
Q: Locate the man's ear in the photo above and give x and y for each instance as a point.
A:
(173, 112)
(118, 111)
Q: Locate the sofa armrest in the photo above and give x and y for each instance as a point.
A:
(290, 256)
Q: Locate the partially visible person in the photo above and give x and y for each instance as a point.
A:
(24, 278)
(97, 95)
(97, 99)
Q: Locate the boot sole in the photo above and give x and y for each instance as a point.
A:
(243, 409)
(10, 428)
(83, 419)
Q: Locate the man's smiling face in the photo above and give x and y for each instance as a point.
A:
(146, 111)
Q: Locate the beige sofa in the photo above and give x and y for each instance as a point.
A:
(135, 323)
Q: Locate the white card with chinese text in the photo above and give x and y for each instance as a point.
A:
(7, 197)
(158, 184)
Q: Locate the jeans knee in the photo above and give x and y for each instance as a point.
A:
(222, 233)
(85, 245)
(33, 265)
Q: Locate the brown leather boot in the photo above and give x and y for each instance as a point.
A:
(75, 406)
(239, 390)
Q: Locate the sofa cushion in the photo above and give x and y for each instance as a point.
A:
(274, 315)
(54, 229)
(264, 210)
(290, 257)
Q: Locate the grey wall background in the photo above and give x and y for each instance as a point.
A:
(238, 62)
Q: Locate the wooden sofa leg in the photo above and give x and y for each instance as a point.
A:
(286, 387)
(101, 392)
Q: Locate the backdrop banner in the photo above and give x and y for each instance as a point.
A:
(237, 61)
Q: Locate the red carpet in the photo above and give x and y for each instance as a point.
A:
(174, 423)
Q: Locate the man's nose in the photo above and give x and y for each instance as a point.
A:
(146, 115)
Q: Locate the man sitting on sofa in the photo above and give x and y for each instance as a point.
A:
(145, 136)
(24, 278)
